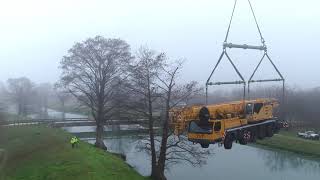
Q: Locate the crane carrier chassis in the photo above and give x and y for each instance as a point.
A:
(239, 121)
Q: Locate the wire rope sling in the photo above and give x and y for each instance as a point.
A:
(261, 47)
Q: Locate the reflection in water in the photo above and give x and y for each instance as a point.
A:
(283, 161)
(123, 127)
(241, 162)
(57, 114)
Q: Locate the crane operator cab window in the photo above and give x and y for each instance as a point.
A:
(197, 127)
(249, 108)
(253, 108)
(257, 107)
(217, 126)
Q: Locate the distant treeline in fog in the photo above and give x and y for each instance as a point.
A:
(22, 96)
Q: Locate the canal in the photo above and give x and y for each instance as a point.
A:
(241, 162)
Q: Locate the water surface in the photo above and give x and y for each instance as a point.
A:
(241, 162)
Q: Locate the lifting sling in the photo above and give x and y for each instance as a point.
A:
(261, 47)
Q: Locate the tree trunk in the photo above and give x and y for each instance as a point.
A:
(99, 136)
(19, 109)
(46, 111)
(163, 148)
(151, 134)
(153, 153)
(159, 174)
(100, 117)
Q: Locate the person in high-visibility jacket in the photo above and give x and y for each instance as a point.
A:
(74, 141)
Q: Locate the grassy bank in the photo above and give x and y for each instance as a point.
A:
(43, 153)
(290, 142)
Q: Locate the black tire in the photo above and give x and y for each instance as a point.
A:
(204, 145)
(253, 138)
(243, 140)
(253, 135)
(261, 132)
(228, 142)
(269, 131)
(277, 127)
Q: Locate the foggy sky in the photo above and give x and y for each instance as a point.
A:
(34, 35)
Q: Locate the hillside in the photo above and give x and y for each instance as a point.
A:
(44, 153)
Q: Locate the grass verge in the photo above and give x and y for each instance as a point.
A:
(290, 142)
(43, 153)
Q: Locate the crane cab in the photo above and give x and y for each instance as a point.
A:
(211, 133)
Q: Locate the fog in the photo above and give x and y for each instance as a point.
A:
(35, 35)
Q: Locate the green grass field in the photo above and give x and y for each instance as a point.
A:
(288, 141)
(40, 153)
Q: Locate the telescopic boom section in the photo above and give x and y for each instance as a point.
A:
(260, 109)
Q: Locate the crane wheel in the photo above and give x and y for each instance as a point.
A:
(261, 132)
(245, 137)
(269, 131)
(204, 145)
(253, 137)
(228, 142)
(276, 128)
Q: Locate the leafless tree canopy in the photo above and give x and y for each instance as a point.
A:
(173, 93)
(156, 88)
(144, 93)
(43, 91)
(21, 92)
(92, 71)
(143, 75)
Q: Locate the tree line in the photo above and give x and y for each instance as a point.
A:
(22, 97)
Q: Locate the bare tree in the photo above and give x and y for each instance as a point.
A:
(3, 105)
(172, 95)
(21, 90)
(43, 91)
(2, 113)
(143, 89)
(62, 96)
(155, 87)
(91, 72)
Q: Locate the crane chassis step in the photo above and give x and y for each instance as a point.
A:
(252, 125)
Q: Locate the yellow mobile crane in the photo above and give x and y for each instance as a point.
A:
(242, 121)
